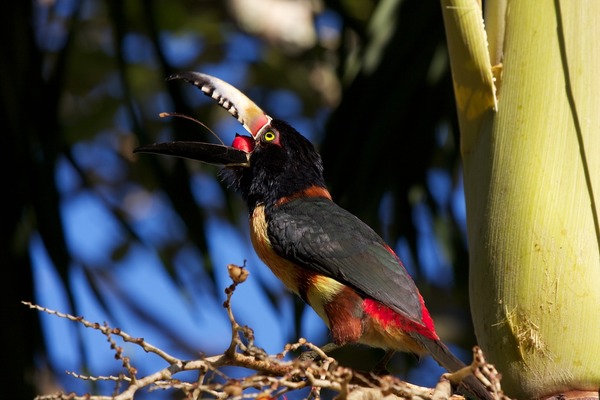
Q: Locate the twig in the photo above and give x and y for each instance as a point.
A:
(273, 377)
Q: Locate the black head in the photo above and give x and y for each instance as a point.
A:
(274, 163)
(282, 163)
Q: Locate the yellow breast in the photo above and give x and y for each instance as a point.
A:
(317, 290)
(283, 269)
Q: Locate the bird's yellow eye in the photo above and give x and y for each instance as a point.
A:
(269, 136)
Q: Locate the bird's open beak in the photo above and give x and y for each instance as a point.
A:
(205, 152)
(252, 118)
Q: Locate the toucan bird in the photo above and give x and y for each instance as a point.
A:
(321, 252)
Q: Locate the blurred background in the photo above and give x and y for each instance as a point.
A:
(142, 242)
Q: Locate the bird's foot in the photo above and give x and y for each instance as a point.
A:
(381, 367)
(315, 355)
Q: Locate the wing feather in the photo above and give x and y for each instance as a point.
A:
(323, 237)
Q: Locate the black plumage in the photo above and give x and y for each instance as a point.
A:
(317, 234)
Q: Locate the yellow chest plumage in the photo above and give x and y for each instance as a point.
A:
(317, 290)
(283, 269)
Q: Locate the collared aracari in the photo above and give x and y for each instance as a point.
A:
(321, 252)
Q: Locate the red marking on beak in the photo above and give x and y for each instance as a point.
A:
(245, 143)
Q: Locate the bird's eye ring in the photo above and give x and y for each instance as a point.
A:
(269, 136)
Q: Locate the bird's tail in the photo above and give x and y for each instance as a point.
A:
(450, 362)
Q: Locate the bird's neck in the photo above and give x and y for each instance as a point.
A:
(274, 186)
(310, 192)
(276, 195)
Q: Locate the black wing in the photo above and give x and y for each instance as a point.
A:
(323, 237)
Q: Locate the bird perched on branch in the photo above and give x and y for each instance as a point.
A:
(321, 252)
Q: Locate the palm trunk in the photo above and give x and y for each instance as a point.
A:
(531, 154)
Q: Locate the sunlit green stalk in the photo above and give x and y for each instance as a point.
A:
(532, 180)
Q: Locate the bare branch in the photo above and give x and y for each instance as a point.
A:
(270, 375)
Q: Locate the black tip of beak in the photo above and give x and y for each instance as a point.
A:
(204, 152)
(173, 77)
(191, 77)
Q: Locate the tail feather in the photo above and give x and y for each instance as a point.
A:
(450, 362)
